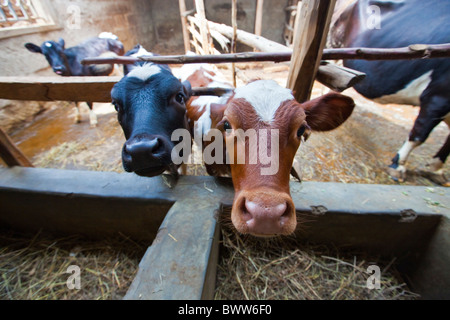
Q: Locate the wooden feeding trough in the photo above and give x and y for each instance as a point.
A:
(180, 218)
(181, 221)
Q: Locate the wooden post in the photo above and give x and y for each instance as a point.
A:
(10, 153)
(297, 18)
(234, 38)
(309, 41)
(187, 44)
(199, 5)
(258, 18)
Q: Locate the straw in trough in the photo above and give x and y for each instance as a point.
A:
(37, 268)
(284, 269)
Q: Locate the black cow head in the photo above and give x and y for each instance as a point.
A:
(150, 103)
(54, 53)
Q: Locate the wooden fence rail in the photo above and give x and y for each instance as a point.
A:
(415, 51)
(93, 89)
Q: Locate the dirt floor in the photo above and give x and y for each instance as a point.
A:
(357, 152)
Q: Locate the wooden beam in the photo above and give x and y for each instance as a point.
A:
(277, 52)
(333, 76)
(209, 58)
(91, 89)
(309, 41)
(184, 22)
(413, 51)
(200, 6)
(10, 153)
(254, 41)
(258, 17)
(338, 78)
(234, 38)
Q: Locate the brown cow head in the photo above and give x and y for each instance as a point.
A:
(263, 126)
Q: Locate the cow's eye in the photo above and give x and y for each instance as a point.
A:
(180, 98)
(226, 125)
(301, 130)
(116, 105)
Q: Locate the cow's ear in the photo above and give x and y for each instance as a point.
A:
(187, 88)
(33, 48)
(217, 111)
(61, 42)
(328, 112)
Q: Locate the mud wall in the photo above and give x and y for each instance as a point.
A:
(153, 23)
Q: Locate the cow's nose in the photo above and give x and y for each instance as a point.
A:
(58, 69)
(141, 150)
(265, 219)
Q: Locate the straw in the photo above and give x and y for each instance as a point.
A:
(36, 268)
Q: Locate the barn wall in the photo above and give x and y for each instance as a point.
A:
(126, 19)
(153, 23)
(165, 18)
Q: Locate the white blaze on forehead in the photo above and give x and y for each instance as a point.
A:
(265, 96)
(108, 35)
(145, 72)
(141, 52)
(48, 44)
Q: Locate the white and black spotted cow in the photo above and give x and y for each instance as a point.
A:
(424, 82)
(67, 62)
(150, 103)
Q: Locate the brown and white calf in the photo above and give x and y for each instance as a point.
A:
(201, 110)
(262, 203)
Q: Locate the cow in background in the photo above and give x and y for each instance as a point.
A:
(420, 82)
(67, 62)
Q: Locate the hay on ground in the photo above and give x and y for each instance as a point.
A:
(36, 268)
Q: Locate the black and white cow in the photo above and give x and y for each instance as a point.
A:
(151, 105)
(67, 62)
(424, 82)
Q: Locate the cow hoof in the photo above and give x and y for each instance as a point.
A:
(435, 165)
(397, 174)
(93, 123)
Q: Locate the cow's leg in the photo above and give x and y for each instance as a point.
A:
(397, 169)
(433, 110)
(77, 113)
(92, 115)
(440, 157)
